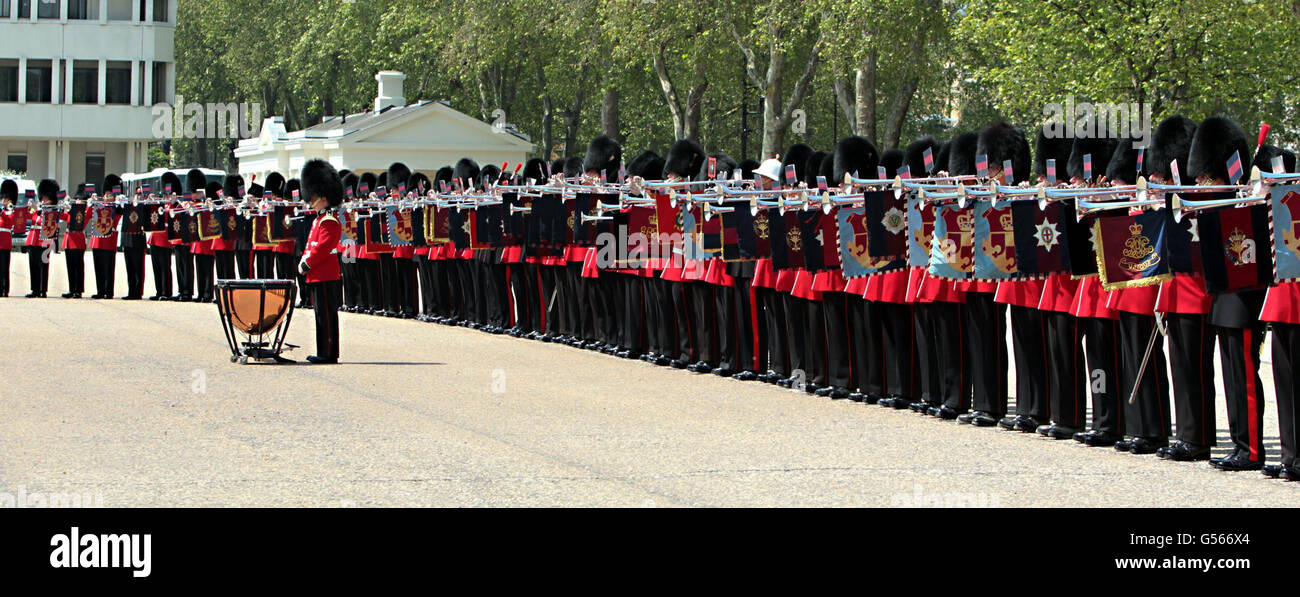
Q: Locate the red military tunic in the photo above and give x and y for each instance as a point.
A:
(322, 247)
(6, 230)
(73, 240)
(1282, 304)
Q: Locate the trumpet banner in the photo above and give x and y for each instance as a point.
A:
(401, 231)
(153, 218)
(207, 226)
(1042, 246)
(1133, 250)
(1230, 249)
(1285, 224)
(49, 222)
(952, 249)
(101, 220)
(854, 236)
(134, 219)
(994, 242)
(738, 240)
(887, 223)
(77, 218)
(920, 231)
(348, 221)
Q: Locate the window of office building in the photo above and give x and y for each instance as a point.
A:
(40, 81)
(24, 9)
(94, 168)
(160, 11)
(85, 83)
(4, 10)
(17, 162)
(117, 87)
(77, 9)
(8, 80)
(159, 83)
(47, 9)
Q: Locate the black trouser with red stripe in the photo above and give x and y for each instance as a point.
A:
(4, 272)
(929, 389)
(1286, 360)
(902, 376)
(372, 294)
(185, 270)
(839, 368)
(774, 319)
(950, 357)
(704, 323)
(869, 346)
(1191, 360)
(244, 263)
(133, 259)
(1148, 415)
(796, 313)
(1029, 345)
(102, 260)
(1239, 352)
(408, 286)
(204, 267)
(76, 260)
(1100, 346)
(326, 298)
(986, 333)
(660, 323)
(265, 264)
(162, 270)
(631, 305)
(815, 350)
(225, 263)
(38, 268)
(1066, 397)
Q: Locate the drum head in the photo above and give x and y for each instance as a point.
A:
(256, 309)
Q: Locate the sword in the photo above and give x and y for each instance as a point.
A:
(1158, 330)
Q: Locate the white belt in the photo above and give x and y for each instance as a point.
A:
(6, 229)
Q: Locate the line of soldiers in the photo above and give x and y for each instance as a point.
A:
(904, 338)
(185, 262)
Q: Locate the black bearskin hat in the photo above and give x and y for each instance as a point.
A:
(418, 183)
(47, 189)
(914, 156)
(961, 154)
(648, 165)
(231, 186)
(294, 184)
(170, 179)
(1123, 163)
(856, 156)
(195, 181)
(797, 155)
(275, 184)
(557, 166)
(535, 169)
(1216, 139)
(350, 182)
(747, 168)
(488, 176)
(1264, 158)
(604, 155)
(212, 190)
(110, 181)
(1100, 148)
(9, 190)
(1001, 142)
(812, 168)
(444, 174)
(573, 167)
(724, 165)
(1171, 141)
(398, 175)
(892, 160)
(368, 180)
(467, 172)
(1052, 148)
(684, 159)
(319, 179)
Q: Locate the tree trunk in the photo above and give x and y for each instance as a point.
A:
(898, 111)
(694, 108)
(865, 119)
(609, 121)
(548, 118)
(670, 94)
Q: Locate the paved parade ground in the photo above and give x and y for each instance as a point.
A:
(137, 403)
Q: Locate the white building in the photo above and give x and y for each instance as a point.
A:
(77, 82)
(425, 136)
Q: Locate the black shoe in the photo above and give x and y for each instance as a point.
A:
(33, 295)
(1056, 431)
(745, 376)
(68, 295)
(897, 402)
(676, 364)
(1291, 473)
(165, 298)
(1098, 439)
(873, 398)
(155, 298)
(1021, 423)
(1147, 445)
(1182, 451)
(921, 406)
(1217, 459)
(983, 419)
(724, 372)
(700, 367)
(1239, 464)
(659, 361)
(1272, 471)
(824, 392)
(810, 388)
(134, 298)
(315, 360)
(946, 413)
(1008, 422)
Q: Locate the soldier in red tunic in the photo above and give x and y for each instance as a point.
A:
(8, 197)
(38, 261)
(320, 261)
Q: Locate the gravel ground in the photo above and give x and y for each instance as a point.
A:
(137, 404)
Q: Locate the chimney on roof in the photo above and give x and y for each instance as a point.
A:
(390, 90)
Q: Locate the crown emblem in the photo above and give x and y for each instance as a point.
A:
(965, 221)
(1135, 229)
